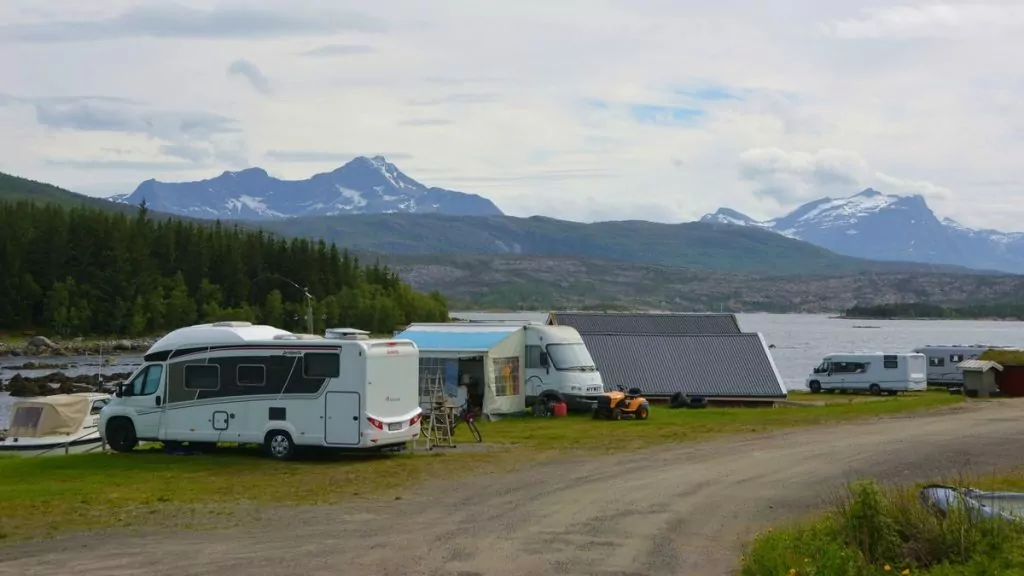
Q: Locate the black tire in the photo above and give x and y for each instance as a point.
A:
(474, 431)
(678, 400)
(875, 390)
(616, 413)
(279, 445)
(542, 407)
(643, 412)
(697, 402)
(815, 386)
(120, 435)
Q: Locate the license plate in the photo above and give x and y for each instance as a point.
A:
(395, 426)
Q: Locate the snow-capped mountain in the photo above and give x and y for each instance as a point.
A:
(889, 227)
(362, 186)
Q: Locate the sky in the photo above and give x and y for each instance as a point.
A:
(584, 110)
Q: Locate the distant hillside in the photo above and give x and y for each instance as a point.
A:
(14, 188)
(538, 282)
(361, 186)
(691, 245)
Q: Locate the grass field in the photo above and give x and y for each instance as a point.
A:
(41, 496)
(876, 530)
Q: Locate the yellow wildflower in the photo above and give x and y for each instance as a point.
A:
(792, 572)
(906, 572)
(888, 568)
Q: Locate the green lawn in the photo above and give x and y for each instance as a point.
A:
(39, 496)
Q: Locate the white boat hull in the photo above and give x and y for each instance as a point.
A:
(50, 446)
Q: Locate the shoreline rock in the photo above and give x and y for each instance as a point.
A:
(59, 383)
(40, 346)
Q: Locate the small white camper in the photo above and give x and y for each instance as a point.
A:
(875, 372)
(238, 382)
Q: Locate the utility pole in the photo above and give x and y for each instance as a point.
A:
(305, 293)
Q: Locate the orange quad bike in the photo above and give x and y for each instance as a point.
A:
(629, 404)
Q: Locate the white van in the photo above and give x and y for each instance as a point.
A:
(559, 368)
(236, 382)
(875, 372)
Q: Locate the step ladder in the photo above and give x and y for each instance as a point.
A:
(437, 427)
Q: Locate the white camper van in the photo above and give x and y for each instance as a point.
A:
(238, 382)
(559, 366)
(875, 372)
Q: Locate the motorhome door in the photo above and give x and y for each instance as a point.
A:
(341, 419)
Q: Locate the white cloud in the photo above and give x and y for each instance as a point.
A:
(545, 107)
(792, 177)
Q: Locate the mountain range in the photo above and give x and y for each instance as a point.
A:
(361, 186)
(507, 262)
(880, 226)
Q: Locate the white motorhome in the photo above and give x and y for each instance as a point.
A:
(556, 365)
(245, 383)
(875, 372)
(943, 360)
(559, 367)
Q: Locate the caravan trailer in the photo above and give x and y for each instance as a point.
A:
(245, 383)
(943, 360)
(875, 372)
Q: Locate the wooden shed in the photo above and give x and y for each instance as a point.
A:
(980, 378)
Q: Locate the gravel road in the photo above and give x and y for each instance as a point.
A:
(685, 509)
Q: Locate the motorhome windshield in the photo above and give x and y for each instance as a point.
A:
(570, 357)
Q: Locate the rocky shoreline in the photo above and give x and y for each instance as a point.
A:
(41, 346)
(60, 383)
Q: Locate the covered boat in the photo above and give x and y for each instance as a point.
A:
(60, 424)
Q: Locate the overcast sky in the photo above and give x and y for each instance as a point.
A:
(586, 110)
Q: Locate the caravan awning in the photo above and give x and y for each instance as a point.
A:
(457, 337)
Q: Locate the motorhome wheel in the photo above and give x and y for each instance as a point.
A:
(279, 445)
(121, 435)
(875, 389)
(815, 386)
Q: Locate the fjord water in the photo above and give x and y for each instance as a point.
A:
(800, 341)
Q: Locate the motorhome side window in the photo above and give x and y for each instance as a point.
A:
(321, 365)
(848, 367)
(956, 358)
(533, 357)
(251, 375)
(890, 361)
(202, 376)
(936, 361)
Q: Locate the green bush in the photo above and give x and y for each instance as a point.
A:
(871, 530)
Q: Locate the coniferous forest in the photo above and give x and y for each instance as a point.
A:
(83, 271)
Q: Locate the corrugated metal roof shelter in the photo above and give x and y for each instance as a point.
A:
(711, 365)
(647, 323)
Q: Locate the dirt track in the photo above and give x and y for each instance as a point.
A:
(684, 510)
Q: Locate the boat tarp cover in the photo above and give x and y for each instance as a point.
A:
(49, 416)
(1007, 505)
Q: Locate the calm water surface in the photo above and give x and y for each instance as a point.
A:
(800, 340)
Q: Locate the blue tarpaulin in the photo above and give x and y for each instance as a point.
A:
(454, 340)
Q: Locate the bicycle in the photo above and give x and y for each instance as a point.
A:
(467, 415)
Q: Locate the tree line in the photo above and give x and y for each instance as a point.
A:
(925, 310)
(84, 271)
